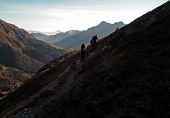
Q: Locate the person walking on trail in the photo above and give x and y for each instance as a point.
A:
(94, 42)
(83, 51)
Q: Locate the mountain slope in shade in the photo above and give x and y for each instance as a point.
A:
(21, 50)
(127, 76)
(102, 30)
(11, 79)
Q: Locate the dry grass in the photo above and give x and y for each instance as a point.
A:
(129, 79)
(40, 83)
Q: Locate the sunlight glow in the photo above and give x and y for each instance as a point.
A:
(53, 17)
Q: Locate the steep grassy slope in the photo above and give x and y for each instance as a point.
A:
(127, 77)
(11, 79)
(127, 80)
(46, 80)
(21, 50)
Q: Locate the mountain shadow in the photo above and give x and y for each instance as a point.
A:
(126, 76)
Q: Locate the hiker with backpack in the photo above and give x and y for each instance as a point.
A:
(83, 51)
(93, 42)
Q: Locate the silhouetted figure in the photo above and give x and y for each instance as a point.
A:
(83, 51)
(117, 29)
(94, 42)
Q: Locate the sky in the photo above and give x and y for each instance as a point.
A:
(64, 15)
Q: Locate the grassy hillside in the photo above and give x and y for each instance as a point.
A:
(23, 51)
(126, 77)
(129, 79)
(30, 91)
(11, 79)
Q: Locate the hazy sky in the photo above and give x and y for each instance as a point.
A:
(64, 15)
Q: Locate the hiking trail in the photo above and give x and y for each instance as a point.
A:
(64, 86)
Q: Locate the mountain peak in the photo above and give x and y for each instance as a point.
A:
(104, 22)
(120, 22)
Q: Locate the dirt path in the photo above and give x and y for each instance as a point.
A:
(64, 86)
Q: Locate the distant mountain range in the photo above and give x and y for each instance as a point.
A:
(74, 38)
(54, 38)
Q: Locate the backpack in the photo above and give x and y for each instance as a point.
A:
(94, 38)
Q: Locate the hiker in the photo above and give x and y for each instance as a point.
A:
(83, 51)
(94, 42)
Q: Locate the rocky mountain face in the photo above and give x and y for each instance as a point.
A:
(126, 76)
